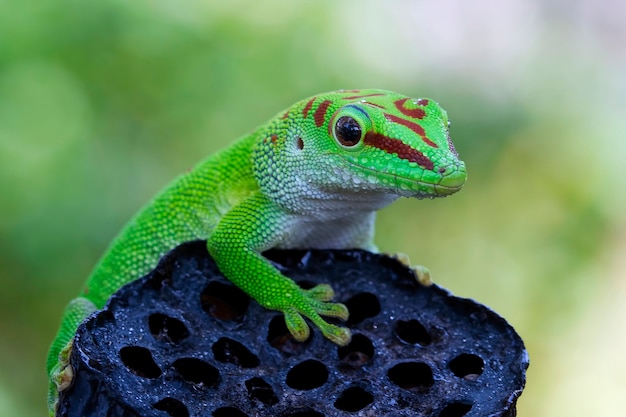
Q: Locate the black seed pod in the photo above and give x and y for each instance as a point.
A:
(183, 341)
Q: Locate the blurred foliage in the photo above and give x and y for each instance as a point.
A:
(102, 103)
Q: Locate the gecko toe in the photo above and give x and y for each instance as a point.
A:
(296, 325)
(338, 335)
(422, 274)
(312, 305)
(321, 292)
(336, 310)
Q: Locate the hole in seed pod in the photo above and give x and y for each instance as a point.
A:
(414, 376)
(353, 399)
(303, 413)
(259, 389)
(139, 361)
(467, 366)
(362, 306)
(230, 351)
(224, 301)
(229, 412)
(412, 332)
(455, 410)
(357, 352)
(167, 328)
(280, 338)
(197, 372)
(307, 375)
(172, 407)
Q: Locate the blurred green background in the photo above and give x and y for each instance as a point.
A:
(101, 103)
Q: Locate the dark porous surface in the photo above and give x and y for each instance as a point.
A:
(183, 341)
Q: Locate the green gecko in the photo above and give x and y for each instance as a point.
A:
(311, 177)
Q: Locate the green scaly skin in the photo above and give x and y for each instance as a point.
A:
(312, 177)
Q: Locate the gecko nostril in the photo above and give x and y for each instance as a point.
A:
(442, 170)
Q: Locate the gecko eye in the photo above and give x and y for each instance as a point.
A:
(347, 131)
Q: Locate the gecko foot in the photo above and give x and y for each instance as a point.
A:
(62, 376)
(313, 304)
(422, 274)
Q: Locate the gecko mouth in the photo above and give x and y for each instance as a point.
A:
(447, 184)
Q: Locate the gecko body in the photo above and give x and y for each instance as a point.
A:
(312, 177)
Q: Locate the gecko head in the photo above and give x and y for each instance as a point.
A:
(383, 141)
(369, 142)
(397, 143)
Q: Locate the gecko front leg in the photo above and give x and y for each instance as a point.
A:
(236, 244)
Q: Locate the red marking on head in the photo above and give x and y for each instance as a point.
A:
(285, 115)
(307, 107)
(320, 113)
(363, 96)
(373, 104)
(396, 146)
(274, 138)
(350, 91)
(423, 102)
(413, 126)
(416, 113)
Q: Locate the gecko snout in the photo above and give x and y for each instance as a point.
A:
(452, 176)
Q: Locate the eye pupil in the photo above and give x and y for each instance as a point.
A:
(347, 131)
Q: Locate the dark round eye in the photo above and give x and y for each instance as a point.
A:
(347, 131)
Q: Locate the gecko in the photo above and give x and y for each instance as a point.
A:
(312, 177)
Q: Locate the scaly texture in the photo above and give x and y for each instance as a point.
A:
(312, 177)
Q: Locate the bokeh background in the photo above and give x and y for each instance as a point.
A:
(101, 103)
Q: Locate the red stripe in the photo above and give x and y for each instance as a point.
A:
(396, 146)
(320, 113)
(413, 126)
(373, 104)
(307, 107)
(416, 113)
(363, 96)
